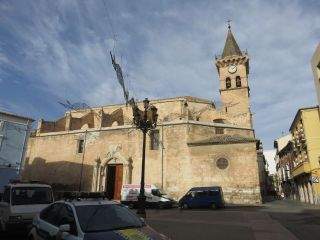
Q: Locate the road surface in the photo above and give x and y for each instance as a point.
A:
(277, 220)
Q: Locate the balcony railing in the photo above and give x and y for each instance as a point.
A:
(302, 167)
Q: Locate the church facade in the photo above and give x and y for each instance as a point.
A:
(195, 143)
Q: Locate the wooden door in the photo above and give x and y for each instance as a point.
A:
(118, 182)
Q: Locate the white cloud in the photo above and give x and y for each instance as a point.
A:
(168, 50)
(25, 110)
(4, 59)
(269, 155)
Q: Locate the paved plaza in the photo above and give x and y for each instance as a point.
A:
(277, 220)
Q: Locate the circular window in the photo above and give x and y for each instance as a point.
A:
(222, 163)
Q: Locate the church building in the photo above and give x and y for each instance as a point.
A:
(196, 143)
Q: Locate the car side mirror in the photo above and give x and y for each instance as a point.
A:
(64, 228)
(143, 221)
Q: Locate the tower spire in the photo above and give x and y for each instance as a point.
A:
(231, 46)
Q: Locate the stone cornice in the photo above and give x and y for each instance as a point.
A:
(223, 139)
(124, 127)
(155, 101)
(231, 60)
(234, 88)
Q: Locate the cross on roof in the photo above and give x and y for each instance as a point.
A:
(229, 21)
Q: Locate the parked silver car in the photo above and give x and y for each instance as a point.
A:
(90, 220)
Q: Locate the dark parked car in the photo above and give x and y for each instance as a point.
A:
(202, 197)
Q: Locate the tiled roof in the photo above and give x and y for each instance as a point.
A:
(223, 139)
(231, 47)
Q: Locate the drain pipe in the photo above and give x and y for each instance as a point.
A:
(84, 151)
(24, 148)
(162, 147)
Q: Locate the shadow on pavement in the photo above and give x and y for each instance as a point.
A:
(18, 235)
(277, 220)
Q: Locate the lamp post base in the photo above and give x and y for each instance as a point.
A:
(142, 206)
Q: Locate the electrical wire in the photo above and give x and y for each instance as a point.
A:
(115, 49)
(114, 36)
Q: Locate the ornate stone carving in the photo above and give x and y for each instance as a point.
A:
(113, 151)
(113, 156)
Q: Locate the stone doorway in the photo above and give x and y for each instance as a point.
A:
(119, 169)
(114, 180)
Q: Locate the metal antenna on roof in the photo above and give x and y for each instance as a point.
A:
(77, 106)
(74, 106)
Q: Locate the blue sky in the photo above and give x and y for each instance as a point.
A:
(56, 50)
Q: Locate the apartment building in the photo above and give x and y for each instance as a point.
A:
(305, 130)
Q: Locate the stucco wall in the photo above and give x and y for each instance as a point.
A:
(311, 124)
(315, 64)
(239, 181)
(175, 166)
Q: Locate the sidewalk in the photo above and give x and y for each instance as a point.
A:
(265, 228)
(276, 220)
(289, 206)
(301, 219)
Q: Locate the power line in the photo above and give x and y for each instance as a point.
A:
(114, 36)
(121, 75)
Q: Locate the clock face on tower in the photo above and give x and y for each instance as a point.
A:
(232, 69)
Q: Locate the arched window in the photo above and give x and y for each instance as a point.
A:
(238, 81)
(228, 82)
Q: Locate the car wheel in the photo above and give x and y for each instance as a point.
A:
(161, 206)
(184, 206)
(2, 227)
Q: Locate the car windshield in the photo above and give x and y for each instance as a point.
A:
(107, 217)
(31, 195)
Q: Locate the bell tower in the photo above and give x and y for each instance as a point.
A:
(233, 70)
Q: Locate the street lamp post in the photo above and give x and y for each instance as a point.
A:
(142, 198)
(145, 121)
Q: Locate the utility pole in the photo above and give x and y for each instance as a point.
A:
(144, 120)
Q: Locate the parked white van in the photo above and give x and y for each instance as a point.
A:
(154, 196)
(21, 202)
